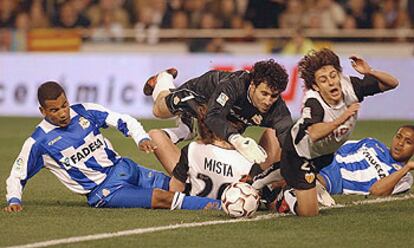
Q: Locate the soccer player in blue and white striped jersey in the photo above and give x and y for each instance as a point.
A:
(68, 142)
(367, 166)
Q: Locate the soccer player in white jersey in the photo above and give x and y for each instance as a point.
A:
(68, 142)
(368, 166)
(328, 117)
(207, 165)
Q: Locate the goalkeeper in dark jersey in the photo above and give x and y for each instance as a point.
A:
(235, 100)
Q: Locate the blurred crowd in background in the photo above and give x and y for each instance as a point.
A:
(108, 19)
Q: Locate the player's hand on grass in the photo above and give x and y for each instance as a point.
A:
(360, 65)
(13, 208)
(147, 145)
(248, 148)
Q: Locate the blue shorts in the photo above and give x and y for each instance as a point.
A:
(128, 185)
(333, 178)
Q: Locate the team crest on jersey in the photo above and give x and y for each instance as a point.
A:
(84, 123)
(310, 177)
(257, 119)
(396, 166)
(222, 99)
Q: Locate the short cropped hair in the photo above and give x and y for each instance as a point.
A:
(314, 61)
(49, 90)
(271, 73)
(411, 127)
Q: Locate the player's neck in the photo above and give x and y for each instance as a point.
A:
(223, 144)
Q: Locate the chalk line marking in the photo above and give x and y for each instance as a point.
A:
(189, 225)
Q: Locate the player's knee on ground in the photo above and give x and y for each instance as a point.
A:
(161, 199)
(307, 205)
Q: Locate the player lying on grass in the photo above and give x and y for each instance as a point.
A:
(367, 166)
(362, 167)
(209, 164)
(235, 100)
(331, 103)
(68, 142)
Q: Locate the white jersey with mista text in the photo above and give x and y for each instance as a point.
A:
(304, 145)
(211, 169)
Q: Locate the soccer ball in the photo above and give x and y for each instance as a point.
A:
(240, 200)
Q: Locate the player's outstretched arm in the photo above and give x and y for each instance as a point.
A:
(386, 80)
(386, 185)
(321, 130)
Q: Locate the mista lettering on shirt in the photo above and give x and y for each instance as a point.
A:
(218, 167)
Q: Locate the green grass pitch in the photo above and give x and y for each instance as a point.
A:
(53, 212)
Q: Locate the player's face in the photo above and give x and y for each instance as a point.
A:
(328, 84)
(57, 111)
(263, 97)
(402, 147)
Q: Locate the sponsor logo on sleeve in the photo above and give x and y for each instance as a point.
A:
(18, 164)
(222, 99)
(306, 113)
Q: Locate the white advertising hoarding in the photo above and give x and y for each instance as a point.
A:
(116, 80)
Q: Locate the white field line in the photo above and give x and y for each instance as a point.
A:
(188, 225)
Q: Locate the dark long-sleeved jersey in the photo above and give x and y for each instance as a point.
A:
(230, 109)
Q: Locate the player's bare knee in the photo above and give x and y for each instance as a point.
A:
(155, 133)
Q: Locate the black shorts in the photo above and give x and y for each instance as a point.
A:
(300, 173)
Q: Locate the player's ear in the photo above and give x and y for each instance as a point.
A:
(42, 110)
(315, 87)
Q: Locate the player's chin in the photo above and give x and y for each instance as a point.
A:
(64, 123)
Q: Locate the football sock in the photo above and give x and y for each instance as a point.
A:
(181, 201)
(196, 202)
(181, 132)
(270, 175)
(291, 200)
(164, 82)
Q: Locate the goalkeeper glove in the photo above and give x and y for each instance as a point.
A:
(248, 148)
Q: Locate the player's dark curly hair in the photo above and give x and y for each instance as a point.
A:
(270, 72)
(49, 90)
(315, 60)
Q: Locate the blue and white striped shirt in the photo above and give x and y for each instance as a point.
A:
(78, 155)
(359, 164)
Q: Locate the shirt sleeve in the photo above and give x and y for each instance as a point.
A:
(27, 164)
(404, 184)
(219, 106)
(181, 169)
(126, 124)
(312, 113)
(281, 124)
(367, 86)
